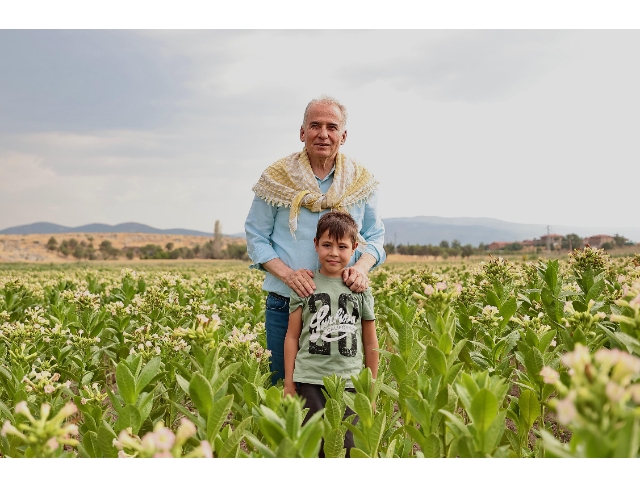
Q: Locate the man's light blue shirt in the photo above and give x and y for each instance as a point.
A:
(269, 237)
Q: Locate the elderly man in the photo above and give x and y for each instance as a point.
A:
(290, 197)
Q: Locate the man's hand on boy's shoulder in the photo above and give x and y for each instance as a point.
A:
(355, 279)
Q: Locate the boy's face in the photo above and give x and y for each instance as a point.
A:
(334, 255)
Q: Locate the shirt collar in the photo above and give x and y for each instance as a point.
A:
(327, 176)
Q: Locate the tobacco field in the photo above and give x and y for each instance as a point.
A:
(496, 359)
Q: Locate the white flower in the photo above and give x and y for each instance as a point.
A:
(22, 408)
(549, 375)
(614, 391)
(49, 389)
(578, 358)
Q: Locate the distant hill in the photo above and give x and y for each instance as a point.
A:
(433, 229)
(412, 230)
(129, 227)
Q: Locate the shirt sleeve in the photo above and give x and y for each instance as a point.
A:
(367, 305)
(295, 302)
(372, 231)
(259, 228)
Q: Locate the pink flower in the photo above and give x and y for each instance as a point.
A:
(163, 454)
(441, 286)
(207, 452)
(428, 290)
(52, 444)
(68, 409)
(49, 389)
(164, 439)
(566, 410)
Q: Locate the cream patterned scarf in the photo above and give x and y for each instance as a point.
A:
(290, 182)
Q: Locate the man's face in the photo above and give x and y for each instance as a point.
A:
(323, 133)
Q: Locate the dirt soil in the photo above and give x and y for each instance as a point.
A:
(32, 248)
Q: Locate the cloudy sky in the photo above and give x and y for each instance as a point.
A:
(172, 128)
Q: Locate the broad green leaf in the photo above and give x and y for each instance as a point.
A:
(484, 407)
(90, 444)
(183, 383)
(529, 409)
(534, 362)
(293, 420)
(148, 372)
(432, 446)
(357, 453)
(493, 434)
(231, 445)
(334, 444)
(217, 416)
(130, 417)
(445, 344)
(362, 407)
(596, 289)
(333, 412)
(508, 309)
(627, 439)
(311, 439)
(264, 450)
(201, 394)
(250, 395)
(398, 368)
(126, 383)
(210, 364)
(375, 433)
(419, 408)
(436, 360)
(105, 443)
(224, 375)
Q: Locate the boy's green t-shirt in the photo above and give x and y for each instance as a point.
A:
(331, 337)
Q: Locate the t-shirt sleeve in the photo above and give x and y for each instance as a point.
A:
(367, 305)
(295, 301)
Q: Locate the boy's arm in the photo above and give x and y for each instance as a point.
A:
(291, 345)
(370, 342)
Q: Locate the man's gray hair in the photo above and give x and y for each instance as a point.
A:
(326, 100)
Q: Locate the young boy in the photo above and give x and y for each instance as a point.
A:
(333, 330)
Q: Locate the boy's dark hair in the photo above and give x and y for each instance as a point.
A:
(339, 224)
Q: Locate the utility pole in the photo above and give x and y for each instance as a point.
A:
(548, 239)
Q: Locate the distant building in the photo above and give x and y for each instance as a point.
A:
(527, 243)
(553, 239)
(597, 241)
(498, 245)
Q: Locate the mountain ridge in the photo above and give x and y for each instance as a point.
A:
(421, 230)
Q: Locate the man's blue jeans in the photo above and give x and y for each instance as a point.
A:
(276, 324)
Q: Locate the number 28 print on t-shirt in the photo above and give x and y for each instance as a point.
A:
(325, 327)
